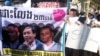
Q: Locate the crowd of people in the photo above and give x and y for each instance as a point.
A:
(74, 16)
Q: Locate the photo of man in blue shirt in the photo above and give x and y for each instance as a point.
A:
(29, 35)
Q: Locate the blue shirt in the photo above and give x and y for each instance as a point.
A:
(35, 46)
(13, 45)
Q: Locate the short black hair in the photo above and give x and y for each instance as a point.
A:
(33, 28)
(13, 25)
(73, 10)
(47, 26)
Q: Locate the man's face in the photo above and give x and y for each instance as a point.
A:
(13, 35)
(29, 35)
(46, 35)
(72, 13)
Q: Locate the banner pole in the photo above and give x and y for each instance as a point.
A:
(63, 38)
(87, 10)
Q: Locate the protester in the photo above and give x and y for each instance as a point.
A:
(73, 23)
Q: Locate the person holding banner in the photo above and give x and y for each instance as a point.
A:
(73, 24)
(29, 35)
(13, 39)
(46, 36)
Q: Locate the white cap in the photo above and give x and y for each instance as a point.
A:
(74, 7)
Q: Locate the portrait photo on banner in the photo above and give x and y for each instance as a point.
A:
(32, 29)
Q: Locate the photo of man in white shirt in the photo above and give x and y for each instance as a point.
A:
(46, 36)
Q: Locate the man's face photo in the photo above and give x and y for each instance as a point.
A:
(12, 32)
(46, 35)
(28, 34)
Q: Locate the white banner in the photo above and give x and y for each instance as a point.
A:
(83, 37)
(31, 14)
(92, 43)
(39, 19)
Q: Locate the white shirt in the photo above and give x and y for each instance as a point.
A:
(73, 19)
(32, 46)
(48, 47)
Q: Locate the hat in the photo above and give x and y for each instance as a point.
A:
(74, 7)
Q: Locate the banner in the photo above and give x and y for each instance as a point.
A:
(83, 37)
(32, 31)
(93, 40)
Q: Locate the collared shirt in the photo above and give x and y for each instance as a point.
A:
(52, 47)
(33, 45)
(36, 45)
(48, 47)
